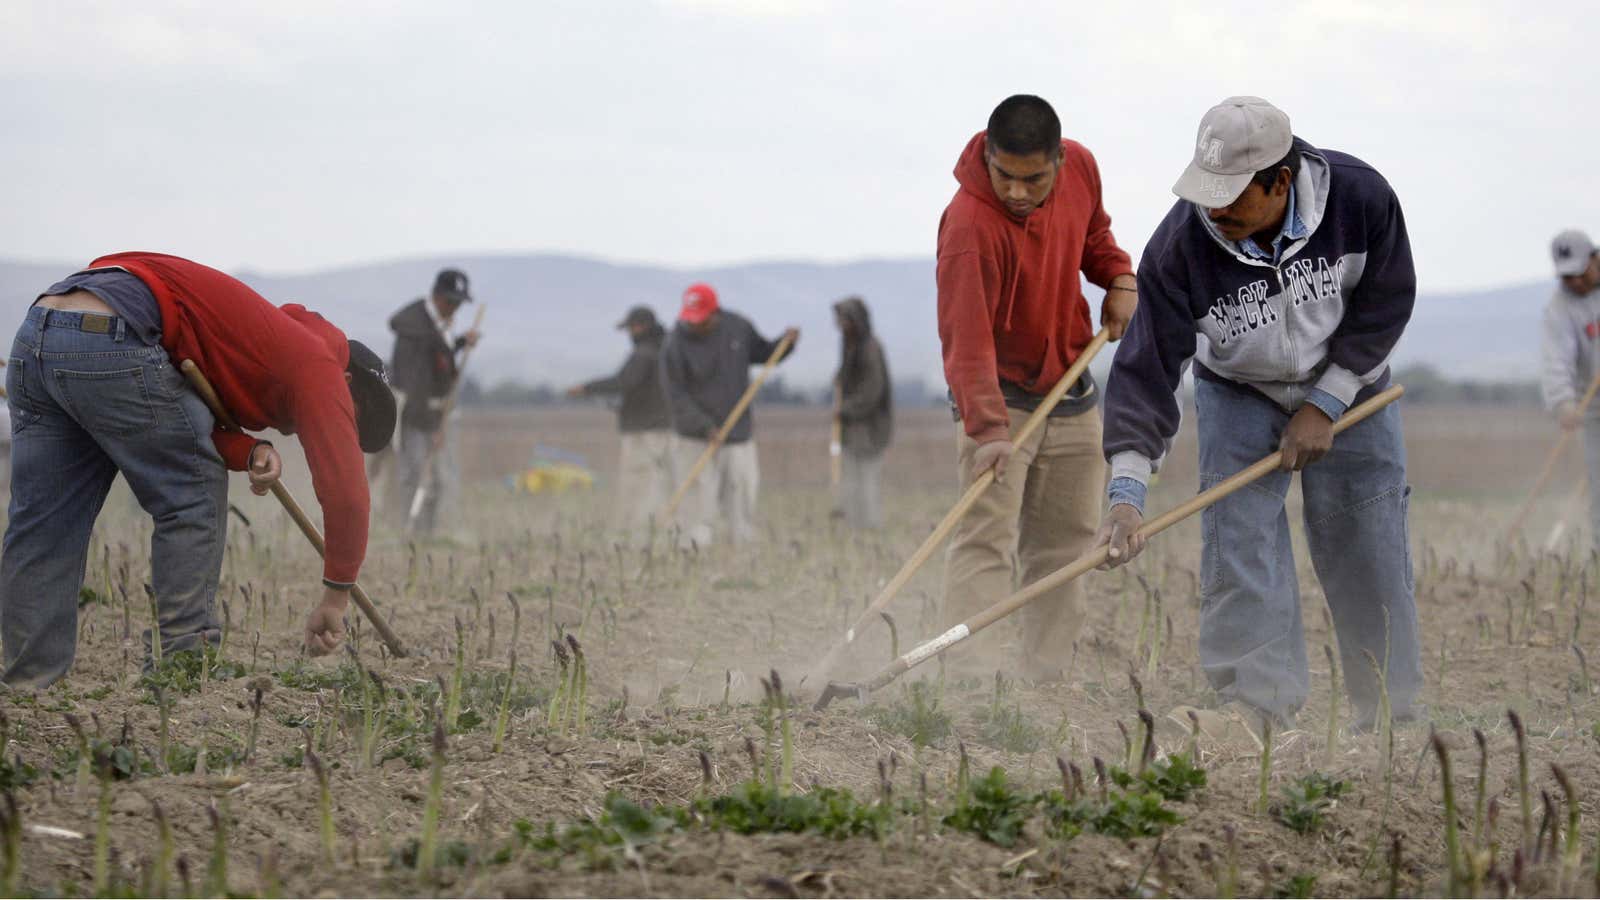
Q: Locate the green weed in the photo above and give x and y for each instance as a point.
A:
(1306, 799)
(917, 716)
(186, 671)
(756, 808)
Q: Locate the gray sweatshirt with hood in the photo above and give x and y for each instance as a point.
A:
(1571, 349)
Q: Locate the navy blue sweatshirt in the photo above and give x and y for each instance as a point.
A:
(1319, 323)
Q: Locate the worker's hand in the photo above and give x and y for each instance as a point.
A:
(1120, 530)
(325, 625)
(576, 391)
(438, 439)
(266, 466)
(1568, 416)
(994, 455)
(471, 337)
(1306, 439)
(1117, 310)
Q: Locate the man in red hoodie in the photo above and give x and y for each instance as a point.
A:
(95, 390)
(1026, 220)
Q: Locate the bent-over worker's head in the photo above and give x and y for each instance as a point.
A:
(374, 401)
(1022, 149)
(700, 311)
(1577, 261)
(450, 291)
(1244, 163)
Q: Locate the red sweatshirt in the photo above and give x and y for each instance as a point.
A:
(272, 367)
(1010, 303)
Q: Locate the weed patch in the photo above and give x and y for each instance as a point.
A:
(1306, 799)
(918, 715)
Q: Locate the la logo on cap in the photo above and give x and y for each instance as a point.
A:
(1209, 149)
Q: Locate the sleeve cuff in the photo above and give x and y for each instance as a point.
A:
(993, 433)
(1341, 383)
(338, 585)
(1132, 465)
(1126, 491)
(1330, 405)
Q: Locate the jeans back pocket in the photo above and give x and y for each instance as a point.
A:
(115, 402)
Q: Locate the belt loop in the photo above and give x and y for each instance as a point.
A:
(122, 329)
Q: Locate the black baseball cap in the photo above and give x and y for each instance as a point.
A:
(452, 285)
(375, 406)
(639, 315)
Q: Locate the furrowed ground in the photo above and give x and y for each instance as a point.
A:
(663, 766)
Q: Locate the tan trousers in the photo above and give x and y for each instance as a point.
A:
(644, 477)
(1043, 516)
(723, 499)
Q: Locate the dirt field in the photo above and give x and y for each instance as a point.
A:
(646, 787)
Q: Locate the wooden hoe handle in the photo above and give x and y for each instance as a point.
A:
(1091, 560)
(978, 486)
(727, 426)
(1550, 463)
(198, 381)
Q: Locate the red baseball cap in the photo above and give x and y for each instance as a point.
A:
(699, 302)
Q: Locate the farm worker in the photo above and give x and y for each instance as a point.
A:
(424, 370)
(644, 476)
(1026, 220)
(705, 368)
(866, 415)
(1572, 350)
(1284, 273)
(95, 390)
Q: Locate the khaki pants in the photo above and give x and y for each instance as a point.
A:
(859, 498)
(726, 490)
(1043, 516)
(439, 504)
(644, 477)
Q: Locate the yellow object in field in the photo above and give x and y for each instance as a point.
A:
(556, 478)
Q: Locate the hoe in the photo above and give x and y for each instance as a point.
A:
(953, 517)
(203, 387)
(1093, 559)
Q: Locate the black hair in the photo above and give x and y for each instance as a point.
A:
(1268, 176)
(1024, 125)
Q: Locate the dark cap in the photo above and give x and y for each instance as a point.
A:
(639, 315)
(452, 285)
(375, 406)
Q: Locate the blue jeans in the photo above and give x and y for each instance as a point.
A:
(1355, 502)
(85, 406)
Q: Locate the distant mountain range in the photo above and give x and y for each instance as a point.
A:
(551, 318)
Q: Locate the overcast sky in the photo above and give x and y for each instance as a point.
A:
(288, 136)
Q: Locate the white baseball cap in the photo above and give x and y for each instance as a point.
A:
(1570, 250)
(1238, 138)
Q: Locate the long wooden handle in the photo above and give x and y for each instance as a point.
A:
(197, 380)
(1098, 555)
(727, 426)
(836, 440)
(1549, 469)
(978, 486)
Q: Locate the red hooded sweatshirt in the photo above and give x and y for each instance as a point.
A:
(1010, 303)
(272, 367)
